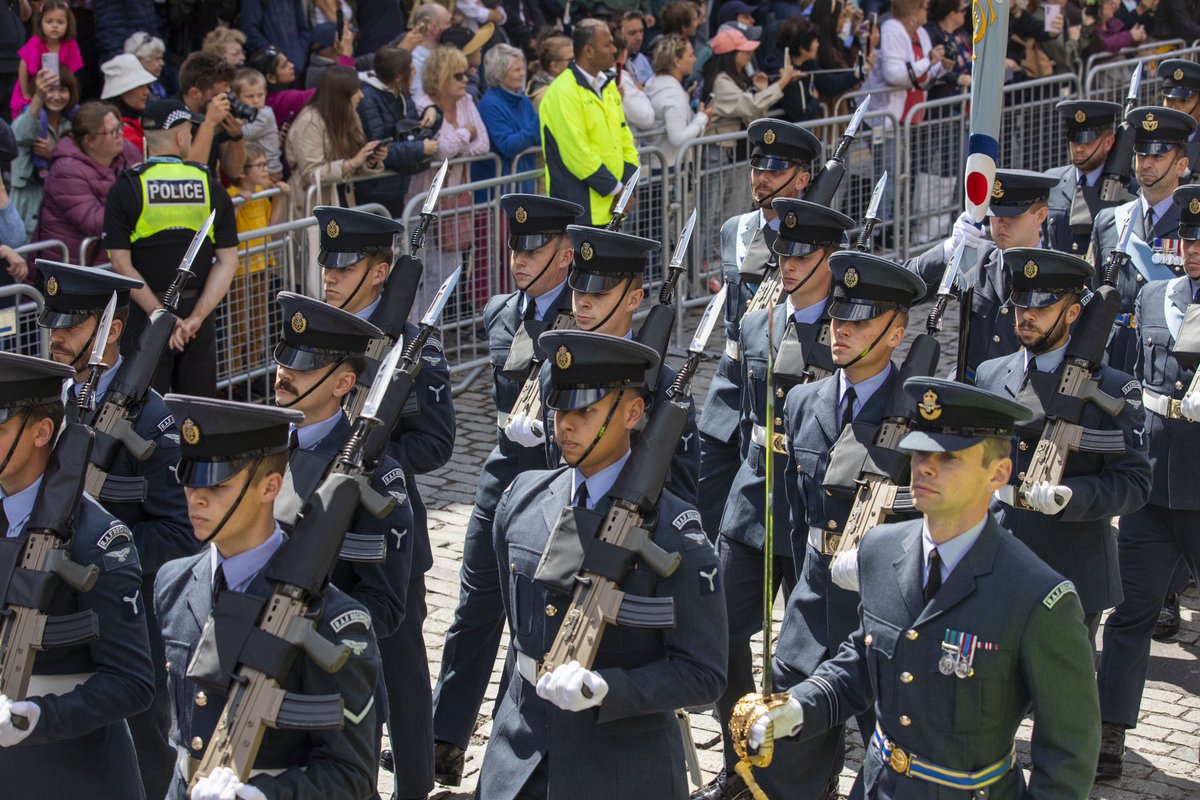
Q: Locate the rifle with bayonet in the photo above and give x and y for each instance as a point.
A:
(32, 567)
(1114, 181)
(117, 415)
(1118, 257)
(619, 210)
(656, 328)
(825, 185)
(863, 243)
(86, 401)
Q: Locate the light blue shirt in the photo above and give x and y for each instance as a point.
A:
(542, 301)
(1088, 178)
(310, 436)
(862, 390)
(809, 315)
(369, 310)
(19, 506)
(241, 569)
(1050, 360)
(951, 552)
(599, 484)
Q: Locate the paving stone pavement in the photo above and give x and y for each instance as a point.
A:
(1163, 750)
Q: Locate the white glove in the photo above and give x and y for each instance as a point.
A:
(844, 570)
(1048, 498)
(525, 431)
(222, 784)
(10, 734)
(785, 721)
(965, 231)
(1190, 407)
(564, 687)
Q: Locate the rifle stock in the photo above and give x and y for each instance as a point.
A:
(529, 400)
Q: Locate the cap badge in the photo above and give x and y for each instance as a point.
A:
(52, 287)
(769, 136)
(587, 253)
(1080, 117)
(1031, 269)
(190, 431)
(997, 190)
(562, 358)
(521, 216)
(929, 407)
(790, 220)
(299, 323)
(850, 278)
(1178, 75)
(333, 230)
(1194, 206)
(1150, 123)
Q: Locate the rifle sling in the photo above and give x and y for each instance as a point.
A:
(28, 588)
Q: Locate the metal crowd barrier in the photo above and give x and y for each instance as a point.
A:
(20, 305)
(1109, 80)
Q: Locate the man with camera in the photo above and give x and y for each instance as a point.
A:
(204, 81)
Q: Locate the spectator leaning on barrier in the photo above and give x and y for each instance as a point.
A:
(674, 60)
(554, 55)
(127, 86)
(250, 87)
(37, 131)
(588, 145)
(908, 60)
(737, 99)
(508, 115)
(149, 50)
(430, 19)
(204, 80)
(279, 23)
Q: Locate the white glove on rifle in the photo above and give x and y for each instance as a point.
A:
(222, 784)
(844, 570)
(786, 720)
(1048, 498)
(10, 734)
(966, 231)
(564, 687)
(1190, 407)
(525, 431)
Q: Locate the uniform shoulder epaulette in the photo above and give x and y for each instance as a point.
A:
(1058, 593)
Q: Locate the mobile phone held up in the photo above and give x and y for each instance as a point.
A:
(50, 64)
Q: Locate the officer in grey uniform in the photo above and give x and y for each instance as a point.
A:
(1155, 250)
(1018, 212)
(540, 256)
(233, 458)
(355, 265)
(1068, 525)
(1154, 540)
(781, 158)
(793, 338)
(142, 494)
(76, 743)
(1075, 201)
(1181, 91)
(619, 739)
(962, 631)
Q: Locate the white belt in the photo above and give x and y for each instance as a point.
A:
(1162, 405)
(501, 420)
(528, 668)
(733, 349)
(40, 685)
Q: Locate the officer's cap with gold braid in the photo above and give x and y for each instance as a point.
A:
(29, 381)
(316, 334)
(75, 294)
(603, 259)
(1040, 277)
(866, 286)
(948, 416)
(585, 366)
(534, 220)
(1188, 199)
(776, 145)
(1015, 190)
(1180, 79)
(806, 227)
(1088, 120)
(1158, 130)
(219, 438)
(348, 235)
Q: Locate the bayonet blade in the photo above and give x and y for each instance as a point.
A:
(1135, 83)
(189, 257)
(435, 189)
(434, 314)
(708, 321)
(1126, 233)
(856, 120)
(951, 277)
(685, 236)
(627, 192)
(102, 330)
(383, 379)
(877, 197)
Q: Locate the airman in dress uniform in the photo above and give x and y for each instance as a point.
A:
(1160, 164)
(794, 338)
(619, 739)
(142, 494)
(541, 253)
(233, 458)
(1181, 91)
(1075, 201)
(1069, 526)
(781, 158)
(1018, 210)
(356, 256)
(76, 743)
(962, 630)
(830, 424)
(1156, 538)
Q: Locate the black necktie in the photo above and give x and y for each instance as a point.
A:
(1033, 364)
(293, 441)
(581, 496)
(219, 583)
(1080, 219)
(935, 575)
(3, 520)
(530, 312)
(1196, 295)
(848, 410)
(1148, 226)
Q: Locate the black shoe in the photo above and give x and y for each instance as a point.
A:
(386, 762)
(448, 762)
(726, 786)
(1168, 620)
(1112, 752)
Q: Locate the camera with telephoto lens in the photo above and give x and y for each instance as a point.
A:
(950, 50)
(240, 109)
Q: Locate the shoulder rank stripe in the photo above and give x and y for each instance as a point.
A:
(1058, 593)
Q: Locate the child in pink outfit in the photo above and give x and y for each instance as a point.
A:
(54, 25)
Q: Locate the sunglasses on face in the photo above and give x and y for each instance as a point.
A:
(460, 76)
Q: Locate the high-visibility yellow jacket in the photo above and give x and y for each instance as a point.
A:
(587, 143)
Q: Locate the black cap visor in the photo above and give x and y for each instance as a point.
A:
(921, 441)
(856, 310)
(1039, 298)
(56, 320)
(1181, 92)
(1086, 136)
(339, 259)
(595, 282)
(304, 359)
(523, 243)
(1154, 148)
(576, 398)
(1009, 210)
(787, 247)
(766, 163)
(1189, 232)
(205, 474)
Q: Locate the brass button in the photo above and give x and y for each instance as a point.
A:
(779, 392)
(197, 743)
(1074, 245)
(868, 639)
(1178, 384)
(911, 635)
(1020, 476)
(905, 720)
(168, 666)
(750, 373)
(906, 677)
(996, 338)
(1004, 310)
(799, 468)
(1023, 445)
(833, 524)
(1140, 278)
(778, 422)
(201, 699)
(1149, 340)
(513, 568)
(551, 610)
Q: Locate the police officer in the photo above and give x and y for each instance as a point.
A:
(1069, 525)
(781, 158)
(152, 213)
(550, 739)
(961, 631)
(142, 494)
(1181, 91)
(356, 258)
(1075, 201)
(233, 458)
(1166, 531)
(1160, 164)
(794, 339)
(830, 424)
(541, 253)
(1019, 208)
(76, 743)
